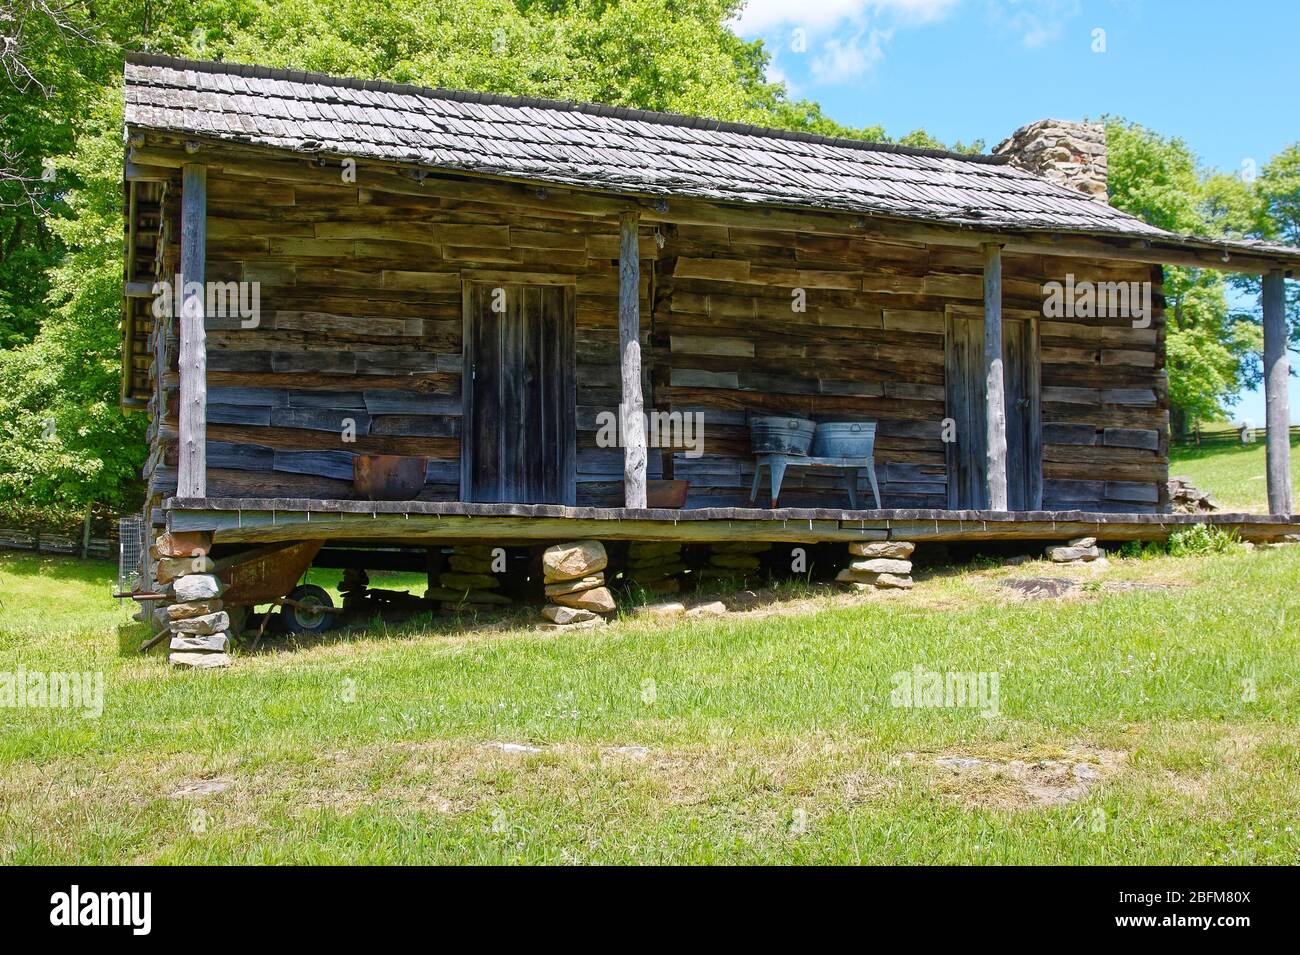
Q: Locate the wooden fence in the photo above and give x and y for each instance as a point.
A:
(101, 541)
(1226, 437)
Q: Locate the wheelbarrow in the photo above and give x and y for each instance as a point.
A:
(270, 575)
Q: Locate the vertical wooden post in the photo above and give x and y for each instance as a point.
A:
(192, 478)
(631, 413)
(995, 416)
(1276, 404)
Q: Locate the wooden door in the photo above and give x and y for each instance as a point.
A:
(966, 454)
(520, 430)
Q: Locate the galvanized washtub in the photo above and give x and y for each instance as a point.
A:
(770, 434)
(844, 439)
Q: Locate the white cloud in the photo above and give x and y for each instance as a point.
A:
(843, 39)
(1038, 22)
(762, 16)
(851, 59)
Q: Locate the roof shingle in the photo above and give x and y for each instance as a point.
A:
(599, 147)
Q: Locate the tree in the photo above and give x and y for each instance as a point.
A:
(1210, 351)
(63, 441)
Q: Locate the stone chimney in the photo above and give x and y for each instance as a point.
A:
(1072, 154)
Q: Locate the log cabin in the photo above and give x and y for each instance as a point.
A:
(479, 280)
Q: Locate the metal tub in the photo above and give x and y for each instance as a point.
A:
(781, 435)
(844, 439)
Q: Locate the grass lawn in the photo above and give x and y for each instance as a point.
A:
(1234, 474)
(1152, 719)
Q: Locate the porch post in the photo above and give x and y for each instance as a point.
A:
(192, 478)
(1277, 410)
(995, 471)
(629, 347)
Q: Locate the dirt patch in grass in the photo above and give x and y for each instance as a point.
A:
(1031, 782)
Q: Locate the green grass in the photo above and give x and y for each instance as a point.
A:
(1234, 474)
(757, 738)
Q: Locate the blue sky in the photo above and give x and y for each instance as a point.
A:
(1224, 78)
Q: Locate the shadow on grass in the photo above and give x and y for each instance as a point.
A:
(58, 567)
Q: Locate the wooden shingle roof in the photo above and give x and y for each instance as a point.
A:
(598, 147)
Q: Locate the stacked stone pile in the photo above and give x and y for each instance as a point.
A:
(469, 581)
(734, 560)
(195, 619)
(1081, 550)
(353, 587)
(1187, 498)
(1071, 154)
(575, 584)
(883, 565)
(656, 566)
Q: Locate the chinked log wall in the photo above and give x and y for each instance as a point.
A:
(361, 319)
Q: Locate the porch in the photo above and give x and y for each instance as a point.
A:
(418, 523)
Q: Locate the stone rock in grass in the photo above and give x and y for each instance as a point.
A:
(195, 608)
(1082, 542)
(570, 627)
(894, 582)
(203, 787)
(874, 579)
(1041, 587)
(468, 581)
(670, 608)
(207, 623)
(201, 641)
(196, 587)
(714, 609)
(574, 586)
(566, 615)
(199, 661)
(169, 568)
(735, 561)
(881, 565)
(597, 600)
(573, 560)
(898, 550)
(1065, 555)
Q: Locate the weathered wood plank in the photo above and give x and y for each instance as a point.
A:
(1276, 382)
(629, 346)
(268, 520)
(191, 477)
(994, 393)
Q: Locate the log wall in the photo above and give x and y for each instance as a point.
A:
(868, 344)
(361, 328)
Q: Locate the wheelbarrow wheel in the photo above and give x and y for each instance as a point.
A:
(311, 612)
